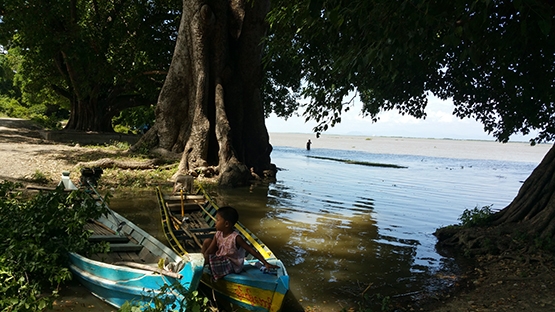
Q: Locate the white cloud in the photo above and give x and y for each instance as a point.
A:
(439, 123)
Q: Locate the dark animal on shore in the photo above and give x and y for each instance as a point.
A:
(184, 183)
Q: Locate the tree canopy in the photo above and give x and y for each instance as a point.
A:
(494, 58)
(6, 77)
(102, 57)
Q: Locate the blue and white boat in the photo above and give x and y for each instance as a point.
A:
(137, 268)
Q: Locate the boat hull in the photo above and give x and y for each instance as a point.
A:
(130, 270)
(250, 290)
(117, 285)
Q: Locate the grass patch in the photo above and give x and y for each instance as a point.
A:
(137, 179)
(40, 178)
(111, 145)
(355, 162)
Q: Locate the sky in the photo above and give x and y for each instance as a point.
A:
(440, 123)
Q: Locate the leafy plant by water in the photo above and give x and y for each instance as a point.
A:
(476, 216)
(36, 234)
(164, 301)
(372, 303)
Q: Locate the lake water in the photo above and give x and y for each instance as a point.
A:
(346, 229)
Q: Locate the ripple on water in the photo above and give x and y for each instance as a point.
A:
(343, 229)
(345, 226)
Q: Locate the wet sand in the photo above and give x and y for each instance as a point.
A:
(468, 149)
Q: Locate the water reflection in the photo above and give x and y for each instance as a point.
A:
(141, 208)
(344, 229)
(332, 247)
(341, 228)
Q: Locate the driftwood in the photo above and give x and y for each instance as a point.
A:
(121, 164)
(165, 154)
(40, 188)
(149, 268)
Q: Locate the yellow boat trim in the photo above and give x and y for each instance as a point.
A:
(163, 209)
(250, 295)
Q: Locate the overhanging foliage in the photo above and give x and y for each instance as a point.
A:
(102, 57)
(494, 58)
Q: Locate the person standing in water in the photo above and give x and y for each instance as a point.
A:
(308, 145)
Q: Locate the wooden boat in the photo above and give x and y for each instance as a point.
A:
(188, 219)
(130, 271)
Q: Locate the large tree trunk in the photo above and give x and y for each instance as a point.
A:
(87, 116)
(97, 114)
(533, 209)
(528, 220)
(210, 105)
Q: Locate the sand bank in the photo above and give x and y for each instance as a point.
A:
(512, 151)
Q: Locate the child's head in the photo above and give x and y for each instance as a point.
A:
(229, 214)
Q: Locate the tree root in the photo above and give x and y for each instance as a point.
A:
(472, 241)
(494, 241)
(122, 164)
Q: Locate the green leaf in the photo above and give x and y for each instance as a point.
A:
(315, 8)
(545, 26)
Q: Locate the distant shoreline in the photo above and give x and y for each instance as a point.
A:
(451, 148)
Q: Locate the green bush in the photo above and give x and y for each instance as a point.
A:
(12, 108)
(40, 178)
(164, 301)
(476, 216)
(36, 235)
(46, 122)
(47, 116)
(134, 119)
(123, 129)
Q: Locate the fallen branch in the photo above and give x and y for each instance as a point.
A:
(121, 164)
(407, 294)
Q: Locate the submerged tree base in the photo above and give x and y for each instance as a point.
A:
(495, 240)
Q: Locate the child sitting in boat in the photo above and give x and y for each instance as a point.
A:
(226, 252)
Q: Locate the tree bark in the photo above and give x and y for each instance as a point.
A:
(210, 106)
(90, 117)
(533, 209)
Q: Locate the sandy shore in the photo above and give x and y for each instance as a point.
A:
(512, 151)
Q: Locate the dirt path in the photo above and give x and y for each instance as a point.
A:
(26, 155)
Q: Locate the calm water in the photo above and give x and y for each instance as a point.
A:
(342, 229)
